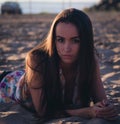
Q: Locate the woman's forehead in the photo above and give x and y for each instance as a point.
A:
(66, 29)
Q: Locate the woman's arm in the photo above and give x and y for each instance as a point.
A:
(37, 94)
(98, 110)
(88, 112)
(38, 101)
(97, 88)
(34, 79)
(101, 108)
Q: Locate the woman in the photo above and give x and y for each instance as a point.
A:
(62, 73)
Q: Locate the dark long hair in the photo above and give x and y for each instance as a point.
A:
(50, 67)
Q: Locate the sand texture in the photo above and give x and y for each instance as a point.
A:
(18, 34)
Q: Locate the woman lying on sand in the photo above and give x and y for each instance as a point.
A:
(62, 73)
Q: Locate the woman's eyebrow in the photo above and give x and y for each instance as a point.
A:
(70, 38)
(75, 37)
(59, 36)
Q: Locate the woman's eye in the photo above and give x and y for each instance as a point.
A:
(61, 40)
(76, 40)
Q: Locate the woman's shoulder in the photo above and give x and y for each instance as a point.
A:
(37, 54)
(36, 57)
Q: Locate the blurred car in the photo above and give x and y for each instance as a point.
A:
(10, 8)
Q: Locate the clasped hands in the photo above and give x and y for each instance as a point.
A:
(105, 110)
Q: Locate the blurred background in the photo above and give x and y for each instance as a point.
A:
(50, 6)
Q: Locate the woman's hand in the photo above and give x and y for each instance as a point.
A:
(105, 110)
(99, 110)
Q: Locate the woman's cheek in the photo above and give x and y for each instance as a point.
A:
(59, 48)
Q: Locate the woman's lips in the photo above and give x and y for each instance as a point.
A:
(67, 56)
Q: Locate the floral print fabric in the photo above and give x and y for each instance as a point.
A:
(9, 87)
(13, 91)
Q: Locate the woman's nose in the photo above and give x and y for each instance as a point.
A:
(67, 47)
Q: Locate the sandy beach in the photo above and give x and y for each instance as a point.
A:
(20, 33)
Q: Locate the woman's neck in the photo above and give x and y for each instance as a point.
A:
(68, 67)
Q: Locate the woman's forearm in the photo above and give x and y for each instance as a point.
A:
(38, 100)
(82, 112)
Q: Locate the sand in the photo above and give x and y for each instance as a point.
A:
(18, 34)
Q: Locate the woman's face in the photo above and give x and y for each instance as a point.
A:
(67, 42)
